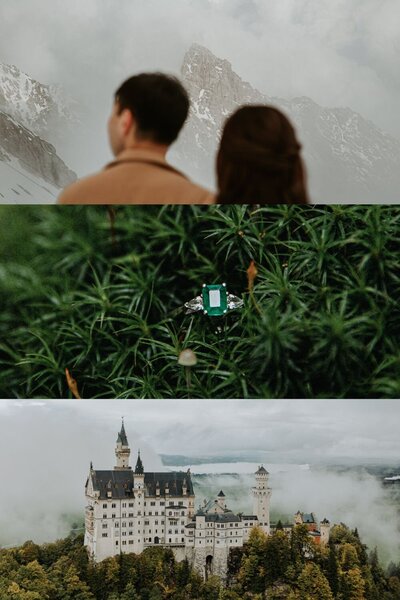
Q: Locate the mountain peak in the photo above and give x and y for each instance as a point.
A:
(43, 109)
(196, 51)
(198, 61)
(213, 84)
(347, 157)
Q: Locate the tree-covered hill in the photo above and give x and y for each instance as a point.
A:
(274, 568)
(101, 293)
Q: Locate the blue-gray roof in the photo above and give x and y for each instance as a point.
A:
(308, 518)
(261, 470)
(121, 483)
(227, 517)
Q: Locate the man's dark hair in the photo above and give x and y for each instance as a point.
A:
(159, 103)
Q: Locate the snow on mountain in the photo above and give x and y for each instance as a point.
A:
(30, 169)
(33, 117)
(348, 158)
(43, 109)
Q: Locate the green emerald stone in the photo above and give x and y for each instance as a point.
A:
(215, 300)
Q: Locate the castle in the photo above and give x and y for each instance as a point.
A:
(128, 511)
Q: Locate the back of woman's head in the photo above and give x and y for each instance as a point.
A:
(259, 159)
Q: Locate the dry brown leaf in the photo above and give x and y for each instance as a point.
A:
(72, 384)
(252, 273)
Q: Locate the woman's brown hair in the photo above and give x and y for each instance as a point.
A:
(259, 159)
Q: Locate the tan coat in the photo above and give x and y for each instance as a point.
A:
(136, 177)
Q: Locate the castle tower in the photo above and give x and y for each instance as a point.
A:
(122, 451)
(261, 498)
(325, 529)
(221, 500)
(139, 510)
(298, 518)
(139, 473)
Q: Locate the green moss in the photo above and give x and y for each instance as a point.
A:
(102, 294)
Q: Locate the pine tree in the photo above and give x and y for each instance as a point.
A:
(301, 546)
(276, 557)
(348, 557)
(352, 585)
(332, 569)
(313, 585)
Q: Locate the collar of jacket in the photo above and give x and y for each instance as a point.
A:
(142, 156)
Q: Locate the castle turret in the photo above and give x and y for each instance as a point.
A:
(139, 510)
(221, 500)
(139, 473)
(122, 451)
(325, 529)
(261, 498)
(298, 518)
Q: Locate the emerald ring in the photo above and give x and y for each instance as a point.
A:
(215, 301)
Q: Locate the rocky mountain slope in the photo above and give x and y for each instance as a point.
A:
(43, 109)
(29, 166)
(348, 158)
(32, 115)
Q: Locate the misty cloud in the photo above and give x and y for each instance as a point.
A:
(356, 499)
(340, 54)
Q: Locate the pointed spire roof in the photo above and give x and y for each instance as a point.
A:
(221, 494)
(139, 470)
(122, 435)
(262, 471)
(124, 439)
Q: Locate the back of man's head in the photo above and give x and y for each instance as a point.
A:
(159, 104)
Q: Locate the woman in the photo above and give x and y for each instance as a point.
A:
(259, 159)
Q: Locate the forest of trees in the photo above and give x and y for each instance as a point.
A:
(277, 567)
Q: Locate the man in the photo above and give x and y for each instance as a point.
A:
(148, 114)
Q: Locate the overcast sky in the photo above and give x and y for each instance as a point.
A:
(46, 449)
(299, 431)
(338, 52)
